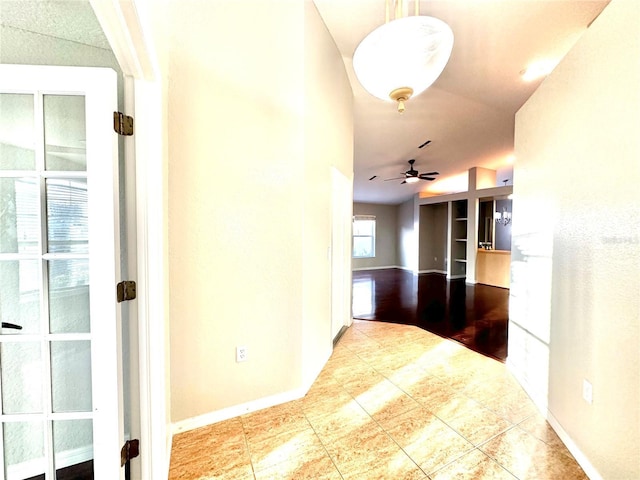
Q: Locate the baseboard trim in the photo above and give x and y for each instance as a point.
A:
(358, 269)
(237, 410)
(408, 269)
(415, 272)
(249, 407)
(35, 467)
(542, 405)
(339, 335)
(580, 457)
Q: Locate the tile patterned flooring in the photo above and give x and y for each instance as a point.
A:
(393, 402)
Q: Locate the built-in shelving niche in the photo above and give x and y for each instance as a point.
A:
(458, 246)
(433, 238)
(443, 238)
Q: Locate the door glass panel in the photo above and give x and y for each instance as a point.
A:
(17, 137)
(20, 282)
(67, 216)
(73, 447)
(19, 222)
(69, 296)
(46, 377)
(64, 133)
(71, 376)
(23, 450)
(22, 380)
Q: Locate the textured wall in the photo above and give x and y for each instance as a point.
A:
(575, 307)
(239, 175)
(328, 144)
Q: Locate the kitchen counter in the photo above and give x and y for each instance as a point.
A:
(493, 267)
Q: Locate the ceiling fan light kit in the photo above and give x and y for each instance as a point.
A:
(403, 57)
(413, 176)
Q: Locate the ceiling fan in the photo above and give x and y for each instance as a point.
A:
(412, 175)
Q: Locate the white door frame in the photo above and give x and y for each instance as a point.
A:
(123, 24)
(341, 224)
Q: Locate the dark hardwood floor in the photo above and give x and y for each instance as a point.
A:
(474, 315)
(81, 471)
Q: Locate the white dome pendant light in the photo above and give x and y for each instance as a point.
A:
(403, 57)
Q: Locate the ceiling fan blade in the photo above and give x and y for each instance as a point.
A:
(396, 178)
(428, 174)
(403, 182)
(427, 178)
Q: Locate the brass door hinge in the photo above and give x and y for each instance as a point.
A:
(131, 449)
(126, 290)
(122, 124)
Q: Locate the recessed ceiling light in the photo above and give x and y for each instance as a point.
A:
(538, 69)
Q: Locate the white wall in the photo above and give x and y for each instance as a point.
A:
(575, 302)
(249, 200)
(328, 142)
(386, 235)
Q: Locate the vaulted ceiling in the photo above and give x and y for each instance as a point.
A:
(468, 113)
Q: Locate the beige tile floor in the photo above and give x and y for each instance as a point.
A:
(393, 402)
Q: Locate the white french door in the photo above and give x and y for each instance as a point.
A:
(60, 392)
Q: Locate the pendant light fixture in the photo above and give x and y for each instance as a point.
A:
(403, 57)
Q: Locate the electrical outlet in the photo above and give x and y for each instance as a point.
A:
(587, 391)
(241, 354)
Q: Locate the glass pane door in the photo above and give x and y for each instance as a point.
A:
(48, 338)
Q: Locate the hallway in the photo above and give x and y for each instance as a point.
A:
(474, 315)
(393, 402)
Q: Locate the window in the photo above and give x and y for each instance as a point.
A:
(364, 236)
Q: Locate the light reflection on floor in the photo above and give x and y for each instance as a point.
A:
(394, 401)
(474, 315)
(364, 290)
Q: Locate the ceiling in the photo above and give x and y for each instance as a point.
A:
(72, 20)
(468, 113)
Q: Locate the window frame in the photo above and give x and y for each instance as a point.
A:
(372, 236)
